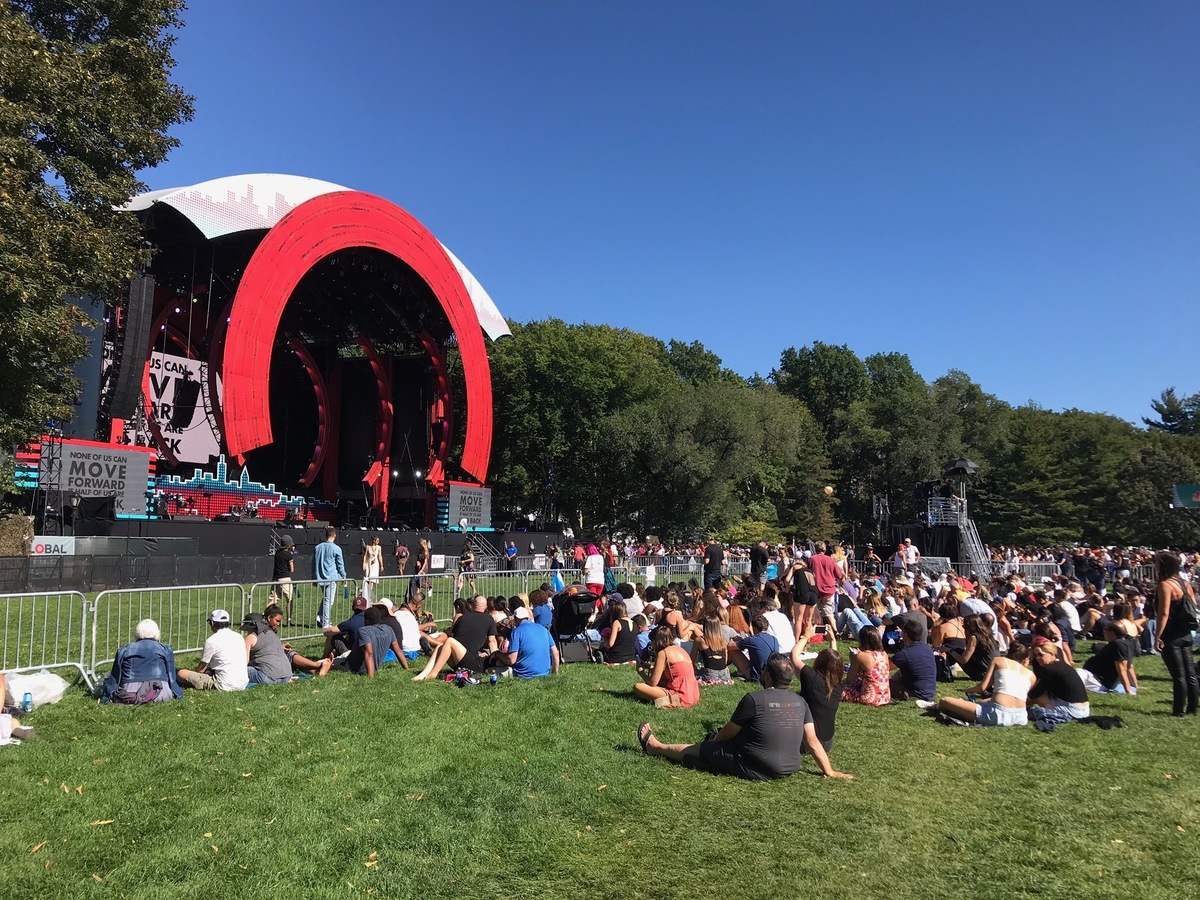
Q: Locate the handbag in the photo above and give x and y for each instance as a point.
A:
(1189, 615)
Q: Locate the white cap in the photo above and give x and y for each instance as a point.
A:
(522, 613)
(220, 616)
(388, 603)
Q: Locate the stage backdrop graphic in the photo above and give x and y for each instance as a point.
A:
(93, 470)
(471, 503)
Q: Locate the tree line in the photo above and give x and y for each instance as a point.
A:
(610, 429)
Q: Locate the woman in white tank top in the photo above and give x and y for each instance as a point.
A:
(1009, 681)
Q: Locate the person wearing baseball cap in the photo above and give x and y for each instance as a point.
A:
(532, 652)
(222, 665)
(340, 639)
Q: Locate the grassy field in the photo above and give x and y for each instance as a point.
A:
(345, 787)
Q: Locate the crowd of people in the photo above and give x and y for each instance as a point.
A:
(1008, 646)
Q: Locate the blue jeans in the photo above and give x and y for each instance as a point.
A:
(330, 589)
(257, 677)
(852, 620)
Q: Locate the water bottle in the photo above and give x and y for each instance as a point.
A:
(345, 592)
(27, 702)
(492, 679)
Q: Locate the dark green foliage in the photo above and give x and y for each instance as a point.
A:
(85, 103)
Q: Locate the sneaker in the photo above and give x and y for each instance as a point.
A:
(925, 704)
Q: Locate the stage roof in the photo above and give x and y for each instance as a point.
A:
(236, 203)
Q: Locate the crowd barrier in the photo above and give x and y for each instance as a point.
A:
(45, 631)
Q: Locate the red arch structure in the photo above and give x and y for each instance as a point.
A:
(308, 234)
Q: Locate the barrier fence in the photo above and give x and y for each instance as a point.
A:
(45, 631)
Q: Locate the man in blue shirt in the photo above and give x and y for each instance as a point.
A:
(328, 569)
(917, 675)
(531, 650)
(752, 653)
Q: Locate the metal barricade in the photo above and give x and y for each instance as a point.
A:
(44, 631)
(181, 613)
(300, 617)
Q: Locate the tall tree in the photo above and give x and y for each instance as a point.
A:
(1176, 415)
(825, 377)
(86, 101)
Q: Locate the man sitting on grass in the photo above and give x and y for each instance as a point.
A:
(373, 641)
(222, 665)
(916, 678)
(531, 650)
(341, 639)
(268, 660)
(472, 641)
(749, 655)
(762, 739)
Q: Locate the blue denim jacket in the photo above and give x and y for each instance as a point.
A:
(142, 661)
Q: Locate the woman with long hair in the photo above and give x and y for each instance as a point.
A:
(424, 554)
(820, 685)
(620, 644)
(672, 616)
(976, 657)
(1175, 606)
(372, 567)
(710, 653)
(867, 681)
(466, 566)
(671, 679)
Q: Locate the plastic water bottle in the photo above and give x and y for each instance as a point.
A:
(492, 679)
(345, 592)
(27, 702)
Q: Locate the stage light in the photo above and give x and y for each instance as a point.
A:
(395, 473)
(418, 473)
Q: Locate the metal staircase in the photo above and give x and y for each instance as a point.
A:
(943, 511)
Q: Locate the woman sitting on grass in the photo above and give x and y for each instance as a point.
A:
(1008, 680)
(976, 658)
(710, 653)
(670, 679)
(820, 685)
(867, 681)
(673, 618)
(620, 639)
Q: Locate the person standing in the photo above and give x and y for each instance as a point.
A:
(714, 559)
(372, 568)
(401, 557)
(510, 556)
(285, 567)
(1174, 625)
(758, 562)
(912, 556)
(329, 568)
(828, 576)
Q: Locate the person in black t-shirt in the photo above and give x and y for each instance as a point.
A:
(285, 566)
(714, 559)
(762, 739)
(758, 562)
(1111, 664)
(1058, 693)
(820, 685)
(472, 642)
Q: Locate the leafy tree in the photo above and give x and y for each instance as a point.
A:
(86, 102)
(825, 377)
(696, 364)
(554, 385)
(1176, 415)
(1145, 480)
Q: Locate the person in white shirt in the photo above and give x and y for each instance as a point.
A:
(779, 627)
(410, 630)
(912, 555)
(222, 665)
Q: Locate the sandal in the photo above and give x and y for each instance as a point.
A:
(644, 737)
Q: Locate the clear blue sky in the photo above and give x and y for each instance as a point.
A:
(1011, 189)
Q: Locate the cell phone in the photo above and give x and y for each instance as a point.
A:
(821, 629)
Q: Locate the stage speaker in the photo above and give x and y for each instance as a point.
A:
(183, 404)
(139, 314)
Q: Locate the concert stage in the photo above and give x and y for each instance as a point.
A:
(289, 352)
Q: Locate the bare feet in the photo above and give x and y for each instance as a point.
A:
(324, 667)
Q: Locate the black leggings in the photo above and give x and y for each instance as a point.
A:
(1181, 663)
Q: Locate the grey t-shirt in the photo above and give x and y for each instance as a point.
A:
(772, 732)
(268, 656)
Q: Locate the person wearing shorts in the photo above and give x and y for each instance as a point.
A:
(763, 738)
(1009, 681)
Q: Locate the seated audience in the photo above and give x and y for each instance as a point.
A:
(341, 639)
(1058, 692)
(976, 657)
(372, 643)
(1008, 681)
(472, 641)
(867, 681)
(669, 679)
(820, 686)
(269, 661)
(916, 676)
(144, 670)
(761, 741)
(749, 655)
(222, 665)
(710, 653)
(619, 645)
(1111, 666)
(532, 652)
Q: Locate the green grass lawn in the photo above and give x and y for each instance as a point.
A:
(345, 787)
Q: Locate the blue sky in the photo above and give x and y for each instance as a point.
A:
(1007, 189)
